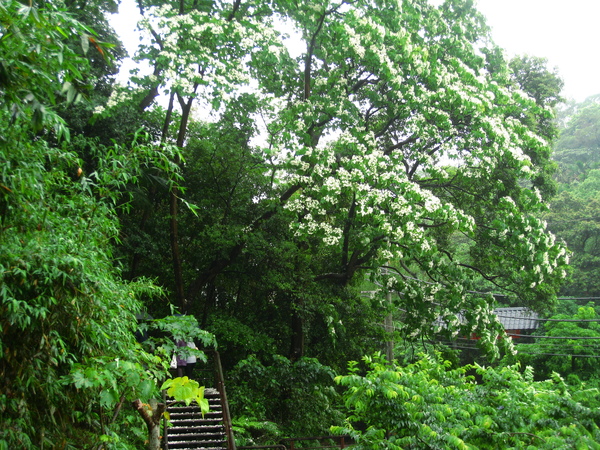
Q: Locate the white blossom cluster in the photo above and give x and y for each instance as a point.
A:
(119, 95)
(202, 53)
(394, 99)
(534, 246)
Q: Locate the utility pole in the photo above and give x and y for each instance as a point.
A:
(388, 325)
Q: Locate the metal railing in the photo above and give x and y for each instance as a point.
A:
(220, 381)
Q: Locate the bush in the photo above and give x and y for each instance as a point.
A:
(428, 405)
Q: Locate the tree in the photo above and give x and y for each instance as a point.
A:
(544, 86)
(567, 345)
(33, 48)
(299, 397)
(533, 77)
(574, 218)
(380, 151)
(576, 151)
(69, 361)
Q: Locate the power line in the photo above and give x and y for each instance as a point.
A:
(559, 354)
(552, 344)
(546, 320)
(452, 345)
(594, 346)
(574, 338)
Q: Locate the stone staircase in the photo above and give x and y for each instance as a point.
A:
(189, 430)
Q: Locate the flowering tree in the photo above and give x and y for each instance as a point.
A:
(393, 134)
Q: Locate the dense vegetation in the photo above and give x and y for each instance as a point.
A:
(287, 201)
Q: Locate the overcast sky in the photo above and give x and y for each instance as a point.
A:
(567, 32)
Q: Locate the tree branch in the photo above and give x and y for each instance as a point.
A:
(309, 54)
(151, 414)
(218, 265)
(347, 228)
(236, 7)
(388, 151)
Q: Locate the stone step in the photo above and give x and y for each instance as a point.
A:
(189, 428)
(197, 428)
(182, 408)
(190, 446)
(198, 417)
(193, 440)
(199, 423)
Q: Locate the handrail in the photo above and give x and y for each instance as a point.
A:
(220, 381)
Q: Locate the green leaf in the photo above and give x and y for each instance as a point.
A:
(108, 398)
(85, 43)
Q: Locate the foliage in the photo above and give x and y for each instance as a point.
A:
(576, 151)
(185, 390)
(298, 396)
(36, 45)
(67, 319)
(413, 146)
(544, 86)
(534, 78)
(573, 213)
(250, 431)
(573, 358)
(163, 335)
(428, 405)
(69, 361)
(574, 219)
(69, 357)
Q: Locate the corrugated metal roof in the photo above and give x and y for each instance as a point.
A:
(518, 318)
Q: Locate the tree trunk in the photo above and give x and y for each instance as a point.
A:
(297, 341)
(151, 413)
(173, 207)
(389, 330)
(175, 254)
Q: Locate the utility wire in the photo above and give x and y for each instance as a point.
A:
(465, 347)
(546, 320)
(542, 347)
(559, 354)
(575, 338)
(595, 346)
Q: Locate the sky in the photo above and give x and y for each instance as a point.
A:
(566, 32)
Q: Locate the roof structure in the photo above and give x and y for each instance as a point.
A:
(518, 318)
(514, 319)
